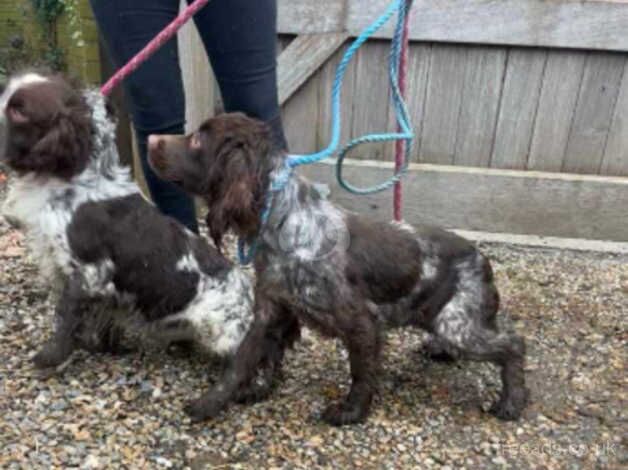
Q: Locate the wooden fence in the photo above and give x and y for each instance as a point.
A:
(520, 109)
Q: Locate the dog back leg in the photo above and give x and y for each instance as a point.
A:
(466, 328)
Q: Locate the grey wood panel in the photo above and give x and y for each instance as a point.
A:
(518, 108)
(198, 78)
(559, 94)
(306, 16)
(615, 161)
(304, 56)
(418, 70)
(480, 101)
(371, 99)
(552, 23)
(593, 115)
(442, 104)
(506, 201)
(534, 125)
(300, 119)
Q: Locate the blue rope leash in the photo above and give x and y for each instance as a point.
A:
(402, 115)
(282, 177)
(246, 256)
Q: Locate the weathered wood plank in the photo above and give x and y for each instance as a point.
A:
(480, 101)
(302, 58)
(559, 94)
(138, 174)
(507, 201)
(371, 99)
(615, 161)
(306, 16)
(300, 119)
(556, 23)
(198, 79)
(418, 69)
(442, 104)
(559, 243)
(519, 102)
(594, 112)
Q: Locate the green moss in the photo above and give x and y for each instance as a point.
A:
(59, 34)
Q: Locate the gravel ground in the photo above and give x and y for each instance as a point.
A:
(126, 412)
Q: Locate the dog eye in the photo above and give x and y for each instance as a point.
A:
(18, 105)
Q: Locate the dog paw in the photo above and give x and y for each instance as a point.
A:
(181, 349)
(341, 414)
(253, 393)
(435, 351)
(203, 409)
(260, 388)
(119, 350)
(510, 408)
(113, 343)
(102, 347)
(51, 355)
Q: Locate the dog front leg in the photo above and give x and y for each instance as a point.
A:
(67, 320)
(241, 368)
(281, 334)
(363, 343)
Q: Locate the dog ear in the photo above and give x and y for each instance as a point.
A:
(236, 210)
(235, 204)
(238, 175)
(63, 150)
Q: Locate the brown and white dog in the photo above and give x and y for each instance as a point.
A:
(337, 272)
(100, 245)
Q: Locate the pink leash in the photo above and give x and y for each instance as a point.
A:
(400, 144)
(152, 47)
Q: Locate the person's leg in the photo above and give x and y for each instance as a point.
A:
(154, 91)
(240, 37)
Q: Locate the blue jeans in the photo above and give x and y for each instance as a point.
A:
(240, 40)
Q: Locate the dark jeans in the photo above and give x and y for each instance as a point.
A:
(240, 40)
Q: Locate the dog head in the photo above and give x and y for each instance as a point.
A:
(226, 162)
(47, 126)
